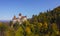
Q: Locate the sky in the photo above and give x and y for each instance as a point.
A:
(9, 8)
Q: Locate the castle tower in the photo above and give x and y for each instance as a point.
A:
(14, 21)
(20, 15)
(20, 19)
(14, 17)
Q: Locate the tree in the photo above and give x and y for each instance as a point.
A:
(3, 29)
(55, 29)
(20, 31)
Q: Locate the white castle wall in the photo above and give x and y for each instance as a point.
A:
(20, 19)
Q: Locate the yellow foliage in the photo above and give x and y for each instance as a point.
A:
(57, 32)
(47, 35)
(0, 23)
(7, 33)
(37, 35)
(28, 30)
(54, 26)
(45, 24)
(19, 32)
(39, 25)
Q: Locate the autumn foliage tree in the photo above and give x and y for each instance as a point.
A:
(44, 24)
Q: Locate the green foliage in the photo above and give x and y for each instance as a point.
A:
(43, 24)
(20, 32)
(3, 29)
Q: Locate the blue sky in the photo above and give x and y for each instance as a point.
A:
(9, 8)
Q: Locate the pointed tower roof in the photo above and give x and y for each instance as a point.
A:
(20, 14)
(14, 17)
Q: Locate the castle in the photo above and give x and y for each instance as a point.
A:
(20, 19)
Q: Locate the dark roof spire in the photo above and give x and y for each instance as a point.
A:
(14, 17)
(20, 14)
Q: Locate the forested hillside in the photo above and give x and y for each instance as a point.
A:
(44, 24)
(50, 16)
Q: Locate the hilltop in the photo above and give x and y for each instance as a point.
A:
(50, 16)
(44, 24)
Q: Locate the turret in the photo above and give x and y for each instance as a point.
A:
(20, 14)
(14, 17)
